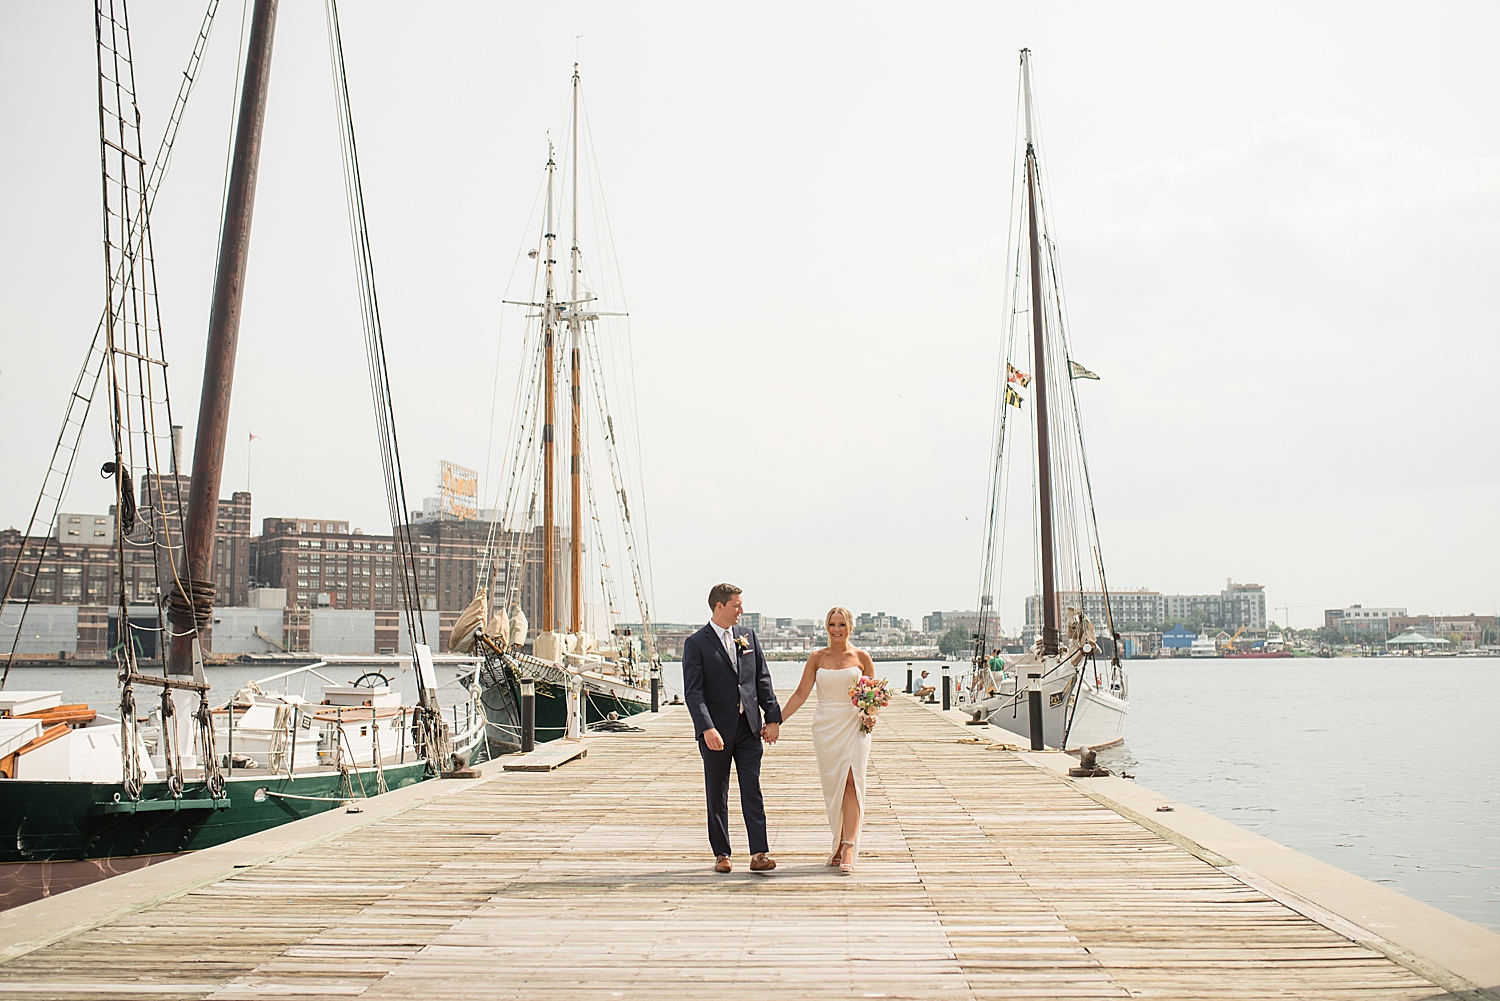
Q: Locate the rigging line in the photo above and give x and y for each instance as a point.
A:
(614, 256)
(374, 336)
(509, 284)
(601, 403)
(1098, 552)
(234, 114)
(489, 451)
(95, 357)
(999, 421)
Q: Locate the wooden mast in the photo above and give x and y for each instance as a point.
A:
(549, 377)
(575, 330)
(1039, 361)
(193, 609)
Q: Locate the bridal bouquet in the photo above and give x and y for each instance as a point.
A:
(869, 695)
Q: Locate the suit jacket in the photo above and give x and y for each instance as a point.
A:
(715, 688)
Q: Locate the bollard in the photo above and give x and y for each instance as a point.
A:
(947, 690)
(909, 689)
(1034, 705)
(528, 715)
(655, 687)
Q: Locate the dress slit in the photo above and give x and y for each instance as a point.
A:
(842, 749)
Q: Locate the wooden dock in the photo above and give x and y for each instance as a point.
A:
(982, 875)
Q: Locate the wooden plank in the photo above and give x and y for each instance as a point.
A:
(548, 757)
(979, 877)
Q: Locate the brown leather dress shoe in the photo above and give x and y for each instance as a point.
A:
(721, 864)
(761, 862)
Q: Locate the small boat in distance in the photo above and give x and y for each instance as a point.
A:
(1084, 690)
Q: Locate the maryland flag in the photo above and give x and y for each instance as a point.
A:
(1013, 374)
(1014, 398)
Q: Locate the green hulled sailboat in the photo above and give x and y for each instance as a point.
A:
(583, 664)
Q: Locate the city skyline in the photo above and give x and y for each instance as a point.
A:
(263, 563)
(1278, 247)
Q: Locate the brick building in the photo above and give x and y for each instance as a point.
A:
(313, 558)
(80, 567)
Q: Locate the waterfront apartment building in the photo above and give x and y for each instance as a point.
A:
(941, 622)
(1357, 620)
(1237, 606)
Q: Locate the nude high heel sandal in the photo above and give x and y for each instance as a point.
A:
(847, 866)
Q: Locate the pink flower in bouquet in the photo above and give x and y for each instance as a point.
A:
(869, 695)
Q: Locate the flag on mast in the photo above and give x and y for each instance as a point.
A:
(1079, 372)
(1013, 374)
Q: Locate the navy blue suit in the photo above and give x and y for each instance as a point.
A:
(715, 690)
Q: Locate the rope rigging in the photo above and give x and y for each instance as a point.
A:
(37, 539)
(1077, 559)
(430, 733)
(511, 560)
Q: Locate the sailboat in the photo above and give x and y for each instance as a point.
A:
(84, 795)
(583, 663)
(1084, 692)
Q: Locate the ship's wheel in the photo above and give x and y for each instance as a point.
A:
(371, 679)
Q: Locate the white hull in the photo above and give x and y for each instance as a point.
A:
(1081, 707)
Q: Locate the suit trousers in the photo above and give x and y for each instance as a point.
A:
(744, 749)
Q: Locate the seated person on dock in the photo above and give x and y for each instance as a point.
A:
(925, 688)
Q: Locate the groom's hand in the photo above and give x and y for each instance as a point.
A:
(713, 740)
(770, 732)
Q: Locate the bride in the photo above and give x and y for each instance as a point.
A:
(841, 748)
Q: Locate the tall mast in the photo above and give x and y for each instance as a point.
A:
(549, 331)
(191, 610)
(1039, 361)
(575, 565)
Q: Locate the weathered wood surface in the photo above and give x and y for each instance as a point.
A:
(548, 757)
(980, 876)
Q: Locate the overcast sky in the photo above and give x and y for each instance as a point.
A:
(1279, 226)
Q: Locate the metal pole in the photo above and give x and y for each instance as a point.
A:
(223, 339)
(947, 690)
(908, 679)
(655, 687)
(1034, 709)
(528, 715)
(549, 393)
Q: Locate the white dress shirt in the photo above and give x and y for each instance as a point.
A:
(726, 637)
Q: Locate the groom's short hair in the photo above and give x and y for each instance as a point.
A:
(720, 594)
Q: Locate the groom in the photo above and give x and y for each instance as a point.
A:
(728, 690)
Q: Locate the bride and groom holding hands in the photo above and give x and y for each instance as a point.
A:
(727, 688)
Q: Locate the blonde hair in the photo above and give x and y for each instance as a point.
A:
(840, 610)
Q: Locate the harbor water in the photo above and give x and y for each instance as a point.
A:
(1383, 767)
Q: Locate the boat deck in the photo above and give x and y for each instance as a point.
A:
(982, 874)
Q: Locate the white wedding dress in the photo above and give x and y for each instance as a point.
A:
(841, 749)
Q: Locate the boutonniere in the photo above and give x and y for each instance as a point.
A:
(743, 642)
